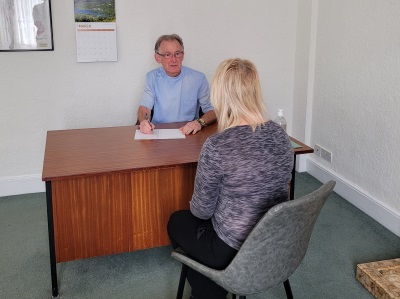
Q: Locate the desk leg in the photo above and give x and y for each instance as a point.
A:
(291, 195)
(50, 225)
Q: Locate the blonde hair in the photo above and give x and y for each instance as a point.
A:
(236, 94)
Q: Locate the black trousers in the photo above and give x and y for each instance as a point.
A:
(199, 240)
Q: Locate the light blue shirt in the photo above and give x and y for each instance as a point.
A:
(176, 98)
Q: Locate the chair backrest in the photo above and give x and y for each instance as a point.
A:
(276, 246)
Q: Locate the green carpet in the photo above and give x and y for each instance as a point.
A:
(343, 237)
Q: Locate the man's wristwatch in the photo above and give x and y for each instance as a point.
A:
(201, 122)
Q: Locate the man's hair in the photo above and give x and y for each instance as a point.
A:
(167, 37)
(236, 94)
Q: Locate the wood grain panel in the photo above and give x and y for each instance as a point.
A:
(107, 214)
(90, 216)
(156, 194)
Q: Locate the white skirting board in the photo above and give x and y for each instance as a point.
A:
(356, 196)
(22, 184)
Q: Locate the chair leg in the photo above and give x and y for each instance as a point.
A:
(288, 290)
(182, 281)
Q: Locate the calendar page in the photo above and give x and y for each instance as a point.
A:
(96, 41)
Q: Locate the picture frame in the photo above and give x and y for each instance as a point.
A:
(26, 25)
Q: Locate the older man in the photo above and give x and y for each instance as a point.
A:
(174, 92)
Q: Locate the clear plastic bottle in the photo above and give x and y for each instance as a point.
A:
(280, 120)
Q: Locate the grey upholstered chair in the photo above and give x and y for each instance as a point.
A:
(271, 253)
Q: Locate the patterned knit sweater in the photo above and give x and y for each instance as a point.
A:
(240, 175)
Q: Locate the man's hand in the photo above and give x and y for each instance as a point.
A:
(191, 128)
(146, 127)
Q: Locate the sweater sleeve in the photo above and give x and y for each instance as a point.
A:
(207, 182)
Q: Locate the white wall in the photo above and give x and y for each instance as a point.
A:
(333, 66)
(356, 103)
(43, 91)
(302, 69)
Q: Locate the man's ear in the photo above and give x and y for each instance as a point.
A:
(157, 58)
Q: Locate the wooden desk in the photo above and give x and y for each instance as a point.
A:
(108, 193)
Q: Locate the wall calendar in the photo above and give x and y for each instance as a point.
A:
(96, 30)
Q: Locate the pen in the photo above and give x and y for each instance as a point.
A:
(148, 120)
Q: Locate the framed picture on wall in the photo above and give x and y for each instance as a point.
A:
(26, 25)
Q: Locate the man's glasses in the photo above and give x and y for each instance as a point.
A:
(170, 55)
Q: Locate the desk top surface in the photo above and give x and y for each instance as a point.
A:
(81, 152)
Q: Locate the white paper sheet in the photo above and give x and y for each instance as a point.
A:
(160, 134)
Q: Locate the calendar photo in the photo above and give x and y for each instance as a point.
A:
(94, 10)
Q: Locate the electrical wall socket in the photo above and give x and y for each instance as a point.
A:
(326, 155)
(323, 153)
(317, 150)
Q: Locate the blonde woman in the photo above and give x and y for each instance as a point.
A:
(242, 172)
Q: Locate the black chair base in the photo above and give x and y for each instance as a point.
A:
(182, 281)
(288, 289)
